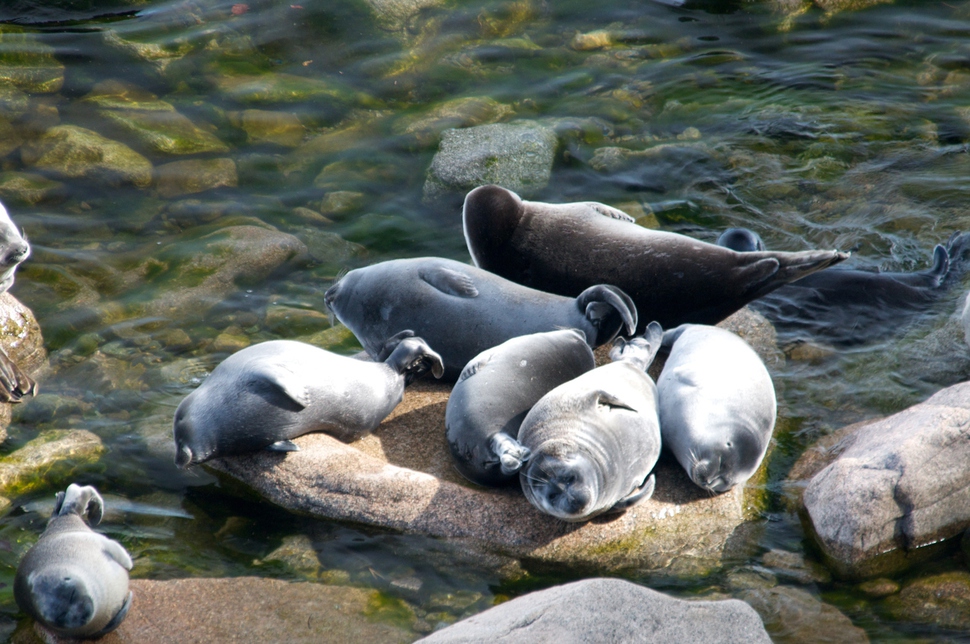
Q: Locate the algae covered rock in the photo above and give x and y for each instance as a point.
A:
(55, 455)
(192, 176)
(268, 127)
(79, 153)
(30, 189)
(942, 599)
(27, 63)
(265, 89)
(792, 615)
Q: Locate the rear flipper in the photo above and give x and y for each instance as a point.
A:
(510, 453)
(14, 383)
(642, 493)
(283, 446)
(609, 310)
(80, 501)
(411, 356)
(639, 351)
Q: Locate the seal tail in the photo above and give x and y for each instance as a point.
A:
(511, 454)
(411, 356)
(639, 351)
(772, 269)
(80, 501)
(609, 310)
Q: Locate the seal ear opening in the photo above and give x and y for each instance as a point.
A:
(609, 310)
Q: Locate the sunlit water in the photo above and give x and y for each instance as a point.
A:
(840, 131)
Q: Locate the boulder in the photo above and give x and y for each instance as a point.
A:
(792, 615)
(242, 609)
(283, 129)
(607, 610)
(192, 176)
(21, 340)
(517, 156)
(880, 494)
(79, 153)
(30, 189)
(27, 63)
(54, 457)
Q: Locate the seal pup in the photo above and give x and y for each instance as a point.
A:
(595, 439)
(266, 394)
(717, 405)
(846, 306)
(462, 310)
(14, 249)
(565, 248)
(497, 389)
(73, 580)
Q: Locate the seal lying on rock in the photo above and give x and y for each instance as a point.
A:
(14, 383)
(847, 306)
(462, 310)
(73, 580)
(595, 439)
(717, 405)
(497, 389)
(565, 248)
(262, 396)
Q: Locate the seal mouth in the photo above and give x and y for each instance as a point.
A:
(183, 457)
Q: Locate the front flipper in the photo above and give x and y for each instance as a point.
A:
(450, 282)
(14, 383)
(477, 364)
(511, 454)
(115, 551)
(609, 310)
(412, 357)
(642, 493)
(287, 383)
(641, 350)
(283, 446)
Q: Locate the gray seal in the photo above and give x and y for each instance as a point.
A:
(14, 249)
(73, 580)
(595, 439)
(717, 405)
(266, 394)
(847, 306)
(674, 279)
(462, 310)
(494, 393)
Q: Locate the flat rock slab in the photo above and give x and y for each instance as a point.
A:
(882, 493)
(242, 609)
(607, 610)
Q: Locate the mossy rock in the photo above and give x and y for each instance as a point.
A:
(27, 63)
(54, 457)
(943, 600)
(79, 153)
(30, 189)
(192, 176)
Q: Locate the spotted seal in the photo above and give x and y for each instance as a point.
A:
(266, 394)
(73, 580)
(462, 310)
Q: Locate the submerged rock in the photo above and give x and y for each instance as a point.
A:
(79, 153)
(463, 112)
(942, 600)
(394, 15)
(882, 493)
(56, 455)
(285, 88)
(596, 610)
(27, 63)
(192, 176)
(517, 156)
(792, 615)
(267, 127)
(30, 189)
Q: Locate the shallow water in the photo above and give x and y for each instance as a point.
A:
(846, 130)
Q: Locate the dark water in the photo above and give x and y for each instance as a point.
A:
(846, 130)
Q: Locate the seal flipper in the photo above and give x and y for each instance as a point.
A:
(639, 351)
(609, 310)
(642, 493)
(450, 282)
(116, 620)
(476, 365)
(282, 446)
(609, 211)
(941, 265)
(79, 500)
(278, 377)
(14, 383)
(114, 550)
(511, 454)
(412, 357)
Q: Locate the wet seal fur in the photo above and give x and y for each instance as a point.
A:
(595, 439)
(462, 310)
(846, 306)
(14, 249)
(266, 394)
(494, 393)
(674, 279)
(717, 405)
(74, 581)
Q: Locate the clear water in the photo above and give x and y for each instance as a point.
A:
(845, 131)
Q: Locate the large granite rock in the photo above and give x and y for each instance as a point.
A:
(21, 340)
(242, 609)
(880, 494)
(607, 610)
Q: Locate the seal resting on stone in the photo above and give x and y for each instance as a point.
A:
(717, 405)
(14, 383)
(674, 279)
(462, 310)
(266, 394)
(74, 581)
(595, 439)
(494, 393)
(846, 306)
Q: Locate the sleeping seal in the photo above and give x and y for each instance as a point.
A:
(497, 389)
(565, 248)
(73, 580)
(717, 405)
(462, 310)
(14, 383)
(846, 306)
(595, 439)
(266, 394)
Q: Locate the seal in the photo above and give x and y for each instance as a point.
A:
(14, 249)
(73, 580)
(717, 405)
(595, 439)
(462, 310)
(845, 306)
(494, 393)
(266, 394)
(674, 279)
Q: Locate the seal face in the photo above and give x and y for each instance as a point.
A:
(494, 393)
(565, 248)
(846, 306)
(595, 439)
(73, 580)
(462, 310)
(266, 394)
(14, 383)
(717, 406)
